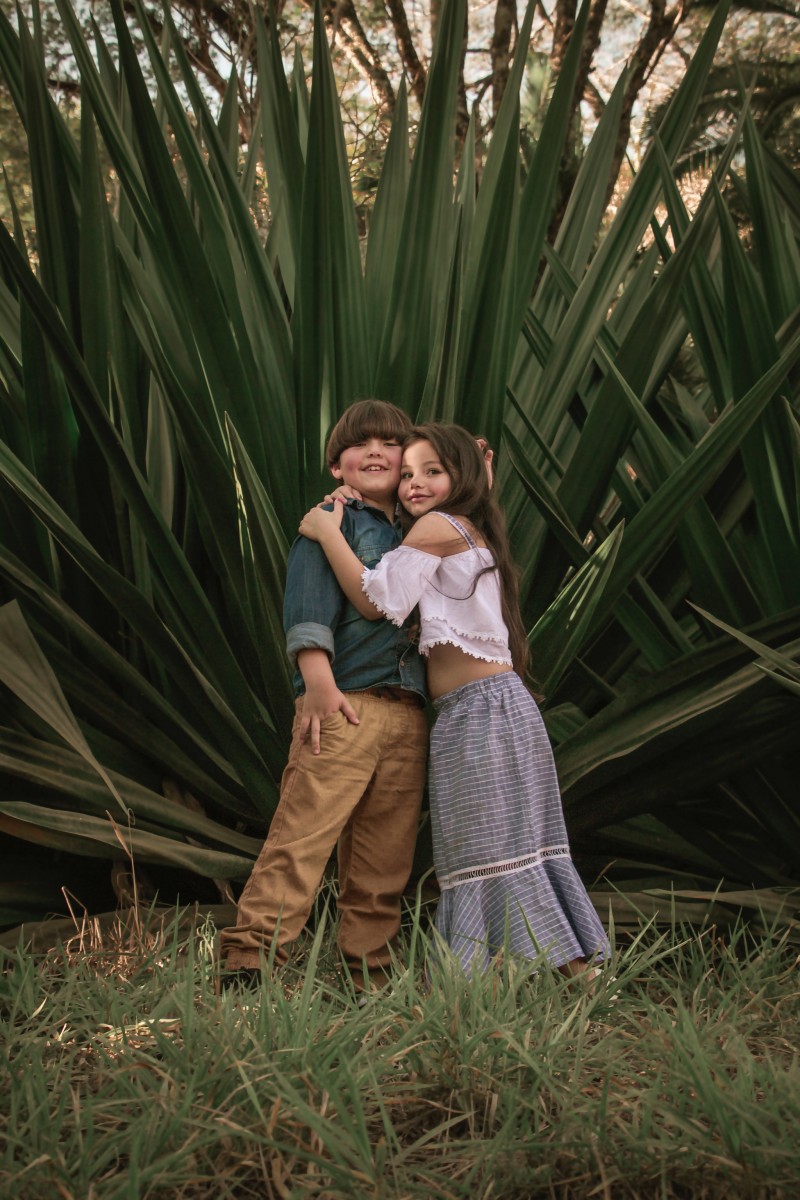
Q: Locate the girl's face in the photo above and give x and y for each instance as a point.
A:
(424, 482)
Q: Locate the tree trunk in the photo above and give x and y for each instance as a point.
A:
(414, 69)
(562, 32)
(342, 18)
(505, 20)
(462, 110)
(660, 31)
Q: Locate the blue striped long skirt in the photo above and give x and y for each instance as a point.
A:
(500, 845)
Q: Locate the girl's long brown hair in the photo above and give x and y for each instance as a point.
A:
(470, 496)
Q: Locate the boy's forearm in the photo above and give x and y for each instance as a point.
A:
(315, 668)
(348, 568)
(313, 601)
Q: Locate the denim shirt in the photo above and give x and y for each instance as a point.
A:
(318, 616)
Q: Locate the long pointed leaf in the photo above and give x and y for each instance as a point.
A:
(25, 670)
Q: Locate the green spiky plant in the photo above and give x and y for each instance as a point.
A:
(168, 382)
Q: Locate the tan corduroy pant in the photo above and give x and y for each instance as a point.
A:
(363, 791)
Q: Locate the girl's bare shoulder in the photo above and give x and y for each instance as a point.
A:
(434, 534)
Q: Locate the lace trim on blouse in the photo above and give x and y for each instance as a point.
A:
(504, 660)
(395, 620)
(408, 576)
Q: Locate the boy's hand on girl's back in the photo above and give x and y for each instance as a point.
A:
(320, 521)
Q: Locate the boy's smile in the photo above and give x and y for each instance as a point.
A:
(372, 467)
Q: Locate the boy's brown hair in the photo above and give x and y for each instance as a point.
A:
(362, 420)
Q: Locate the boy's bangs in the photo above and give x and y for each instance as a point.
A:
(380, 427)
(367, 420)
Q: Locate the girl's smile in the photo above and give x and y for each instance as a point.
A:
(424, 483)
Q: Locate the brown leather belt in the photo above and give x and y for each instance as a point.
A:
(400, 694)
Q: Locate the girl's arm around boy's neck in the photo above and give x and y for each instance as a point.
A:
(325, 527)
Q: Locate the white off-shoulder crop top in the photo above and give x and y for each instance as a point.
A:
(458, 606)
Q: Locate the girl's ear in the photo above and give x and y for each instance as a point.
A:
(336, 471)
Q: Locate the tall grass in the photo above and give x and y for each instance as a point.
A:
(127, 1076)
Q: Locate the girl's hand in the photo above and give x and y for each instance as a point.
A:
(342, 492)
(488, 455)
(320, 523)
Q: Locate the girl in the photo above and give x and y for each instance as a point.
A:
(499, 840)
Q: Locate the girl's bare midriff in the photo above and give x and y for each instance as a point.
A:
(449, 668)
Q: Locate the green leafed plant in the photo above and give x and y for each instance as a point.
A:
(167, 381)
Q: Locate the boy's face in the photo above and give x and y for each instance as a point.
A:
(372, 467)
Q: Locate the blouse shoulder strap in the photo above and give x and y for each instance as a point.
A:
(467, 536)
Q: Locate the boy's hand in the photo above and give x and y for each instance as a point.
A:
(342, 492)
(319, 702)
(319, 522)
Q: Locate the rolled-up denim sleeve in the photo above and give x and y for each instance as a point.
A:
(313, 601)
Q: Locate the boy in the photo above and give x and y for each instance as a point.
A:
(356, 766)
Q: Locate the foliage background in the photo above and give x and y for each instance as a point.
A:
(168, 378)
